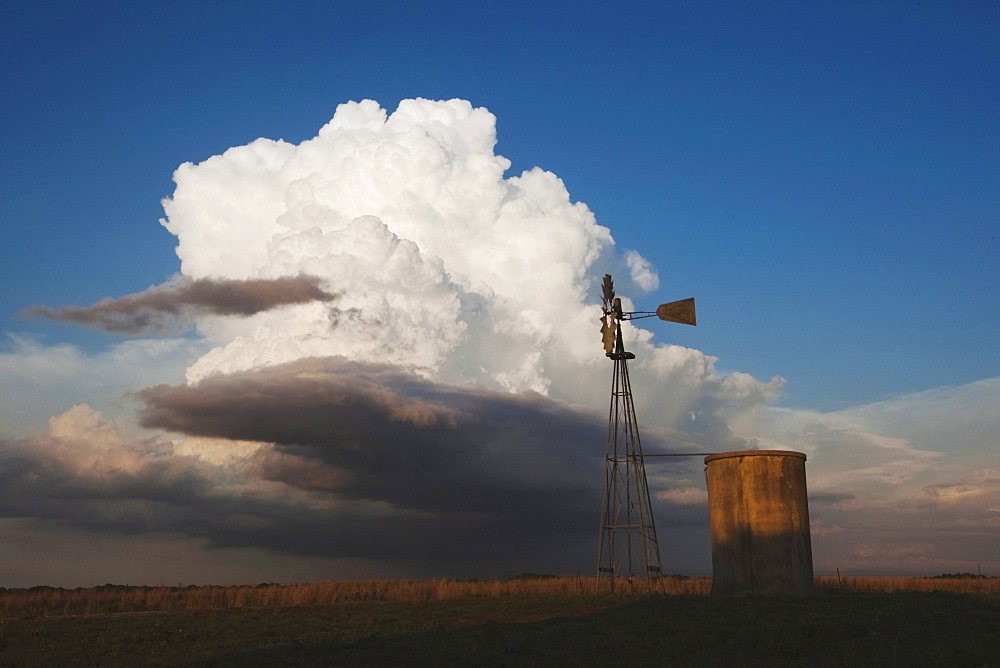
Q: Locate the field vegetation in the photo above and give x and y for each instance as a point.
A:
(530, 620)
(48, 601)
(111, 599)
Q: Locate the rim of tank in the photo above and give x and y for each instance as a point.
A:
(755, 453)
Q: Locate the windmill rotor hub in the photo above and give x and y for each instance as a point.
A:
(681, 311)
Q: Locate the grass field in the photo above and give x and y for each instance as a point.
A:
(555, 621)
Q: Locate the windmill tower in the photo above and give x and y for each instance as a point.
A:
(627, 546)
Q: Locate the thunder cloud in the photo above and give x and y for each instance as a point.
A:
(449, 406)
(446, 415)
(330, 458)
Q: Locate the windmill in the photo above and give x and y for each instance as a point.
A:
(627, 545)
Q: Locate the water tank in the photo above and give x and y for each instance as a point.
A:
(759, 518)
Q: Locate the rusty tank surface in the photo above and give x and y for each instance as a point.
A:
(759, 519)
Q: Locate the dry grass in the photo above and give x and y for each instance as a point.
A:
(54, 602)
(954, 585)
(107, 599)
(850, 621)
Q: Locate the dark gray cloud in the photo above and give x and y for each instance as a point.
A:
(369, 462)
(170, 307)
(390, 436)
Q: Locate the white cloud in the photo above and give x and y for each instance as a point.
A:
(92, 445)
(643, 273)
(38, 380)
(962, 421)
(442, 264)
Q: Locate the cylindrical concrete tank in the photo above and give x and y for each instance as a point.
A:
(759, 518)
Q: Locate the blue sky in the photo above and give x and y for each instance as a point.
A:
(823, 177)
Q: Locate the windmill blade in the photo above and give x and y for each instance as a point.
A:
(607, 335)
(681, 311)
(609, 290)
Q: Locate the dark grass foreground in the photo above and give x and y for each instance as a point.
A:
(830, 628)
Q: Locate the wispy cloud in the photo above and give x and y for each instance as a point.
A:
(900, 485)
(170, 307)
(38, 380)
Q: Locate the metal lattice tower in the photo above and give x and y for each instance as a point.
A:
(627, 546)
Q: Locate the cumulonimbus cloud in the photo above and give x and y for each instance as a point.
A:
(396, 437)
(171, 307)
(356, 460)
(448, 410)
(449, 407)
